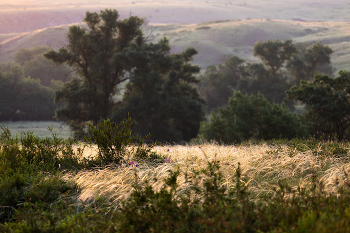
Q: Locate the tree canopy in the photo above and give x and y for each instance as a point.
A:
(159, 98)
(35, 65)
(97, 54)
(23, 98)
(327, 100)
(111, 52)
(252, 116)
(282, 64)
(274, 54)
(310, 60)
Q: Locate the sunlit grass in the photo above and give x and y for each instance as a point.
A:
(262, 167)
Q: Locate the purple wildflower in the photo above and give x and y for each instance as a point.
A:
(167, 160)
(323, 141)
(132, 163)
(168, 150)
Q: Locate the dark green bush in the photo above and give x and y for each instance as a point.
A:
(252, 117)
(29, 170)
(116, 144)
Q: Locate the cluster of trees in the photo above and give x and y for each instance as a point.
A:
(327, 101)
(28, 84)
(282, 65)
(119, 74)
(158, 94)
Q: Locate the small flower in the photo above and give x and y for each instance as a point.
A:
(132, 163)
(168, 150)
(137, 165)
(167, 160)
(323, 141)
(206, 141)
(217, 143)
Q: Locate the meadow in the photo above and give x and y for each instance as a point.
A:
(39, 128)
(264, 165)
(120, 185)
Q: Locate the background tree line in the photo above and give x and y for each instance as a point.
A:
(27, 86)
(283, 64)
(118, 73)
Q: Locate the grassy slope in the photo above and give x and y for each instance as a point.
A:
(215, 41)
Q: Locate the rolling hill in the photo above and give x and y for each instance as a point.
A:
(215, 41)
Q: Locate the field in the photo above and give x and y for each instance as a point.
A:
(39, 128)
(61, 186)
(264, 165)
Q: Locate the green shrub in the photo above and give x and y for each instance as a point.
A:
(116, 144)
(29, 170)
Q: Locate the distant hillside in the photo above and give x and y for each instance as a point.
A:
(17, 16)
(215, 41)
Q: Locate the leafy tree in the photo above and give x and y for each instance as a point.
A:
(327, 102)
(218, 83)
(261, 81)
(23, 98)
(310, 60)
(99, 57)
(24, 55)
(159, 98)
(274, 54)
(252, 116)
(35, 65)
(267, 77)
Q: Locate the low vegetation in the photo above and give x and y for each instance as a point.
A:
(111, 185)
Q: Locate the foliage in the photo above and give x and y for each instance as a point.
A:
(35, 65)
(262, 81)
(29, 170)
(30, 166)
(327, 102)
(274, 54)
(98, 55)
(207, 206)
(34, 197)
(218, 83)
(117, 145)
(282, 64)
(252, 116)
(310, 60)
(23, 98)
(159, 97)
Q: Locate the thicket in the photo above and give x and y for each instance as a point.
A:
(27, 86)
(35, 198)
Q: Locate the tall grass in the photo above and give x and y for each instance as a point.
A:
(263, 164)
(56, 185)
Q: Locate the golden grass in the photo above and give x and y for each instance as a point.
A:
(261, 170)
